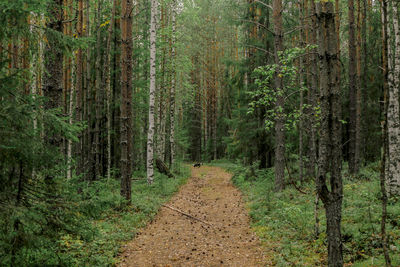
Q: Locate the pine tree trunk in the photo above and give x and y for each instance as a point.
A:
(96, 156)
(173, 86)
(161, 106)
(279, 105)
(150, 134)
(116, 91)
(353, 88)
(312, 96)
(107, 74)
(363, 86)
(330, 158)
(358, 92)
(302, 63)
(78, 88)
(52, 83)
(87, 142)
(126, 98)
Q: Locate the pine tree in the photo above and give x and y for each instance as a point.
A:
(126, 98)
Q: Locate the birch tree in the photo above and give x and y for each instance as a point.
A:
(150, 133)
(393, 56)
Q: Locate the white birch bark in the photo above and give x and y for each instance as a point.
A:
(150, 133)
(393, 174)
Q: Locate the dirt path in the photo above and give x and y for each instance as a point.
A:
(173, 239)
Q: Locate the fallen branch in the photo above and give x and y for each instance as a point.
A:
(186, 214)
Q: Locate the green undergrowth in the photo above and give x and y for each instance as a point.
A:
(99, 222)
(285, 221)
(118, 224)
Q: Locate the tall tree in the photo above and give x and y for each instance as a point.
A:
(354, 145)
(78, 88)
(330, 154)
(280, 101)
(126, 98)
(150, 134)
(173, 86)
(312, 95)
(383, 174)
(108, 76)
(52, 82)
(393, 57)
(98, 99)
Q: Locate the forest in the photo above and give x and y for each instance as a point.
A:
(199, 133)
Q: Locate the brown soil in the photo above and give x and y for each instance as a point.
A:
(173, 239)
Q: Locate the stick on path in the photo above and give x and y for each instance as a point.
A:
(204, 224)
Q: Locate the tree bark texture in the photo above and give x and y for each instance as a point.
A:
(330, 153)
(107, 74)
(173, 86)
(313, 95)
(52, 82)
(150, 134)
(353, 88)
(384, 137)
(393, 175)
(126, 98)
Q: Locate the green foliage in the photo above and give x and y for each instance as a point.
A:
(86, 224)
(285, 220)
(266, 94)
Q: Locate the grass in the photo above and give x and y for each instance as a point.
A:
(115, 222)
(285, 221)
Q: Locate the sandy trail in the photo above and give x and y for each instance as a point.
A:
(173, 239)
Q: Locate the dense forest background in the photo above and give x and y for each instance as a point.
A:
(102, 100)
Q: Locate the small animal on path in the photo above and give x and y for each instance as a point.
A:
(197, 165)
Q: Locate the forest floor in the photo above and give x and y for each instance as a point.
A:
(218, 235)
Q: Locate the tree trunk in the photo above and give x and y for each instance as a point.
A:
(70, 120)
(116, 78)
(52, 85)
(96, 156)
(279, 105)
(78, 88)
(353, 88)
(302, 66)
(363, 85)
(330, 157)
(161, 94)
(87, 142)
(384, 137)
(150, 134)
(107, 74)
(393, 176)
(312, 96)
(126, 98)
(173, 86)
(358, 91)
